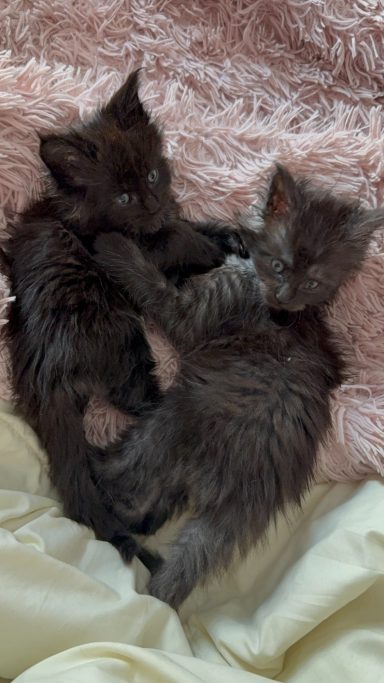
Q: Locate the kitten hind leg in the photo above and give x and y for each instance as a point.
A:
(70, 461)
(201, 549)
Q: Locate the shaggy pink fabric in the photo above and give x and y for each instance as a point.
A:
(236, 85)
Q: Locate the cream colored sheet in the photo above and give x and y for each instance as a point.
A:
(307, 607)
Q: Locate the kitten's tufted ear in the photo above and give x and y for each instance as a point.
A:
(125, 106)
(281, 193)
(70, 159)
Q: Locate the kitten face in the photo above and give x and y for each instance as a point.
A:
(294, 275)
(112, 172)
(308, 243)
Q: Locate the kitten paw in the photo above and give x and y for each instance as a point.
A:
(232, 243)
(229, 241)
(114, 253)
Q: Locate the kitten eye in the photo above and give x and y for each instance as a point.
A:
(277, 265)
(311, 284)
(125, 198)
(153, 175)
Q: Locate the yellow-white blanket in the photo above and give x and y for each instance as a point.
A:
(307, 607)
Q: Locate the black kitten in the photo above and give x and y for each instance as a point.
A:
(235, 439)
(72, 333)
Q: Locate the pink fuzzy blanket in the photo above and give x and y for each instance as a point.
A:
(236, 85)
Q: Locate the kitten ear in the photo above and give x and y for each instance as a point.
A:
(125, 105)
(281, 193)
(69, 160)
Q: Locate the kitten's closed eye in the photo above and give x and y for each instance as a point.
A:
(153, 176)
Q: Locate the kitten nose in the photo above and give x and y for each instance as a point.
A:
(152, 204)
(284, 295)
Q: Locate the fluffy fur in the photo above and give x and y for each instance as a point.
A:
(235, 440)
(71, 332)
(302, 84)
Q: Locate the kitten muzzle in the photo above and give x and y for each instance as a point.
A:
(152, 205)
(284, 295)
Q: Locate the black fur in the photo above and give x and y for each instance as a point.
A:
(72, 332)
(235, 439)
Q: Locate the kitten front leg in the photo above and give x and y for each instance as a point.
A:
(183, 248)
(189, 315)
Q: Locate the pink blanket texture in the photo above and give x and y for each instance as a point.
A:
(236, 85)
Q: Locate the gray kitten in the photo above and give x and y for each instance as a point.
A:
(234, 440)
